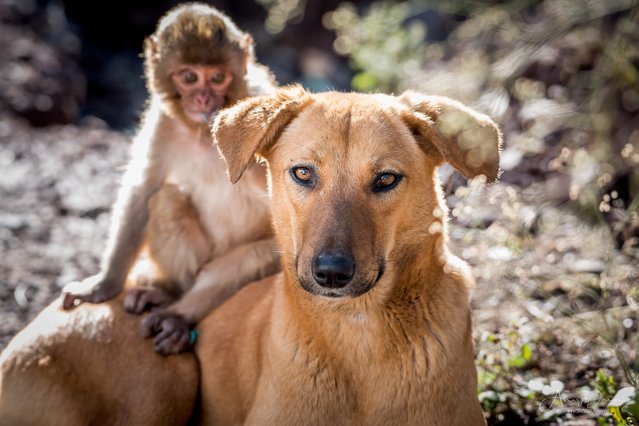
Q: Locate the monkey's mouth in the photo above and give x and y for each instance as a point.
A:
(209, 116)
(202, 116)
(203, 111)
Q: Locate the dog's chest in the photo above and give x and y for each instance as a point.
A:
(372, 389)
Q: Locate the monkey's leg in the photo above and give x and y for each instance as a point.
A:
(218, 280)
(177, 247)
(223, 276)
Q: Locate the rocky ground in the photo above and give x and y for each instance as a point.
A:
(556, 307)
(57, 185)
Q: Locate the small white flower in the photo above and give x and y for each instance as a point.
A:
(535, 385)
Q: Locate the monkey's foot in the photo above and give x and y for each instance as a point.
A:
(138, 300)
(172, 332)
(95, 289)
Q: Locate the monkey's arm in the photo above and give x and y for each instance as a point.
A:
(217, 282)
(223, 276)
(143, 177)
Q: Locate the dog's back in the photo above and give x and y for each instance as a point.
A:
(89, 366)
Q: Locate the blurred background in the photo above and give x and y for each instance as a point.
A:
(554, 244)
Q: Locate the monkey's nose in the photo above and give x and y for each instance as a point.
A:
(333, 271)
(203, 100)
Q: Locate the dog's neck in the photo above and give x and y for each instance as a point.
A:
(419, 278)
(409, 330)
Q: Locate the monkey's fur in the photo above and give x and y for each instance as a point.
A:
(186, 36)
(174, 168)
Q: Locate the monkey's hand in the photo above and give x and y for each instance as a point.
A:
(94, 289)
(172, 332)
(140, 299)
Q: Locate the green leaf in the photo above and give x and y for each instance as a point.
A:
(526, 352)
(616, 413)
(517, 361)
(365, 81)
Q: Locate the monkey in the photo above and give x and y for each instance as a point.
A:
(204, 238)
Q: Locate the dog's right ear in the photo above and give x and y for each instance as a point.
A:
(250, 127)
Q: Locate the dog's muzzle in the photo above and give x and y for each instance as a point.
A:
(336, 275)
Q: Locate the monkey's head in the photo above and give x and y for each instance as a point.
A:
(196, 62)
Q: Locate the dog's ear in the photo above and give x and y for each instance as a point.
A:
(466, 139)
(250, 127)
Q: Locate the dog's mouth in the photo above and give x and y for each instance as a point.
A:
(360, 284)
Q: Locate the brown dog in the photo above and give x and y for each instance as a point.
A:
(89, 367)
(369, 323)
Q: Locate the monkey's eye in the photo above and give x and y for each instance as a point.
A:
(386, 181)
(303, 175)
(218, 78)
(189, 77)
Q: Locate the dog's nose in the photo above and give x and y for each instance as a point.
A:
(333, 271)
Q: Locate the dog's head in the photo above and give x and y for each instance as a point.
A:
(352, 177)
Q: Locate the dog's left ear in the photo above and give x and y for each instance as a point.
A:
(250, 127)
(466, 139)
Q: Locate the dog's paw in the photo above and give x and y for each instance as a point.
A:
(172, 332)
(138, 300)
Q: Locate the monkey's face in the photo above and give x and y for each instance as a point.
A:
(202, 89)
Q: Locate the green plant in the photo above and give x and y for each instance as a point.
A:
(623, 403)
(384, 45)
(605, 384)
(500, 356)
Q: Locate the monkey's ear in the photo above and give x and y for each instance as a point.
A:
(252, 126)
(150, 48)
(249, 53)
(466, 139)
(150, 62)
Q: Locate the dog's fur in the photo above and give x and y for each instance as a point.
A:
(89, 366)
(393, 346)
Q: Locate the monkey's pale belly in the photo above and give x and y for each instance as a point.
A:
(229, 222)
(228, 213)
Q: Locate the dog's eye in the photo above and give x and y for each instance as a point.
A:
(303, 175)
(386, 181)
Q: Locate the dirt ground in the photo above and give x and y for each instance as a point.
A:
(57, 185)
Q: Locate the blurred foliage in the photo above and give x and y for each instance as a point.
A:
(281, 13)
(382, 45)
(500, 355)
(623, 404)
(562, 76)
(605, 384)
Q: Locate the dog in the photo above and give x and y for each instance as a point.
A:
(369, 322)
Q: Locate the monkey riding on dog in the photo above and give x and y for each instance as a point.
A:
(205, 238)
(88, 365)
(368, 323)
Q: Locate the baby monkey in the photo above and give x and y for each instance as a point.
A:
(205, 238)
